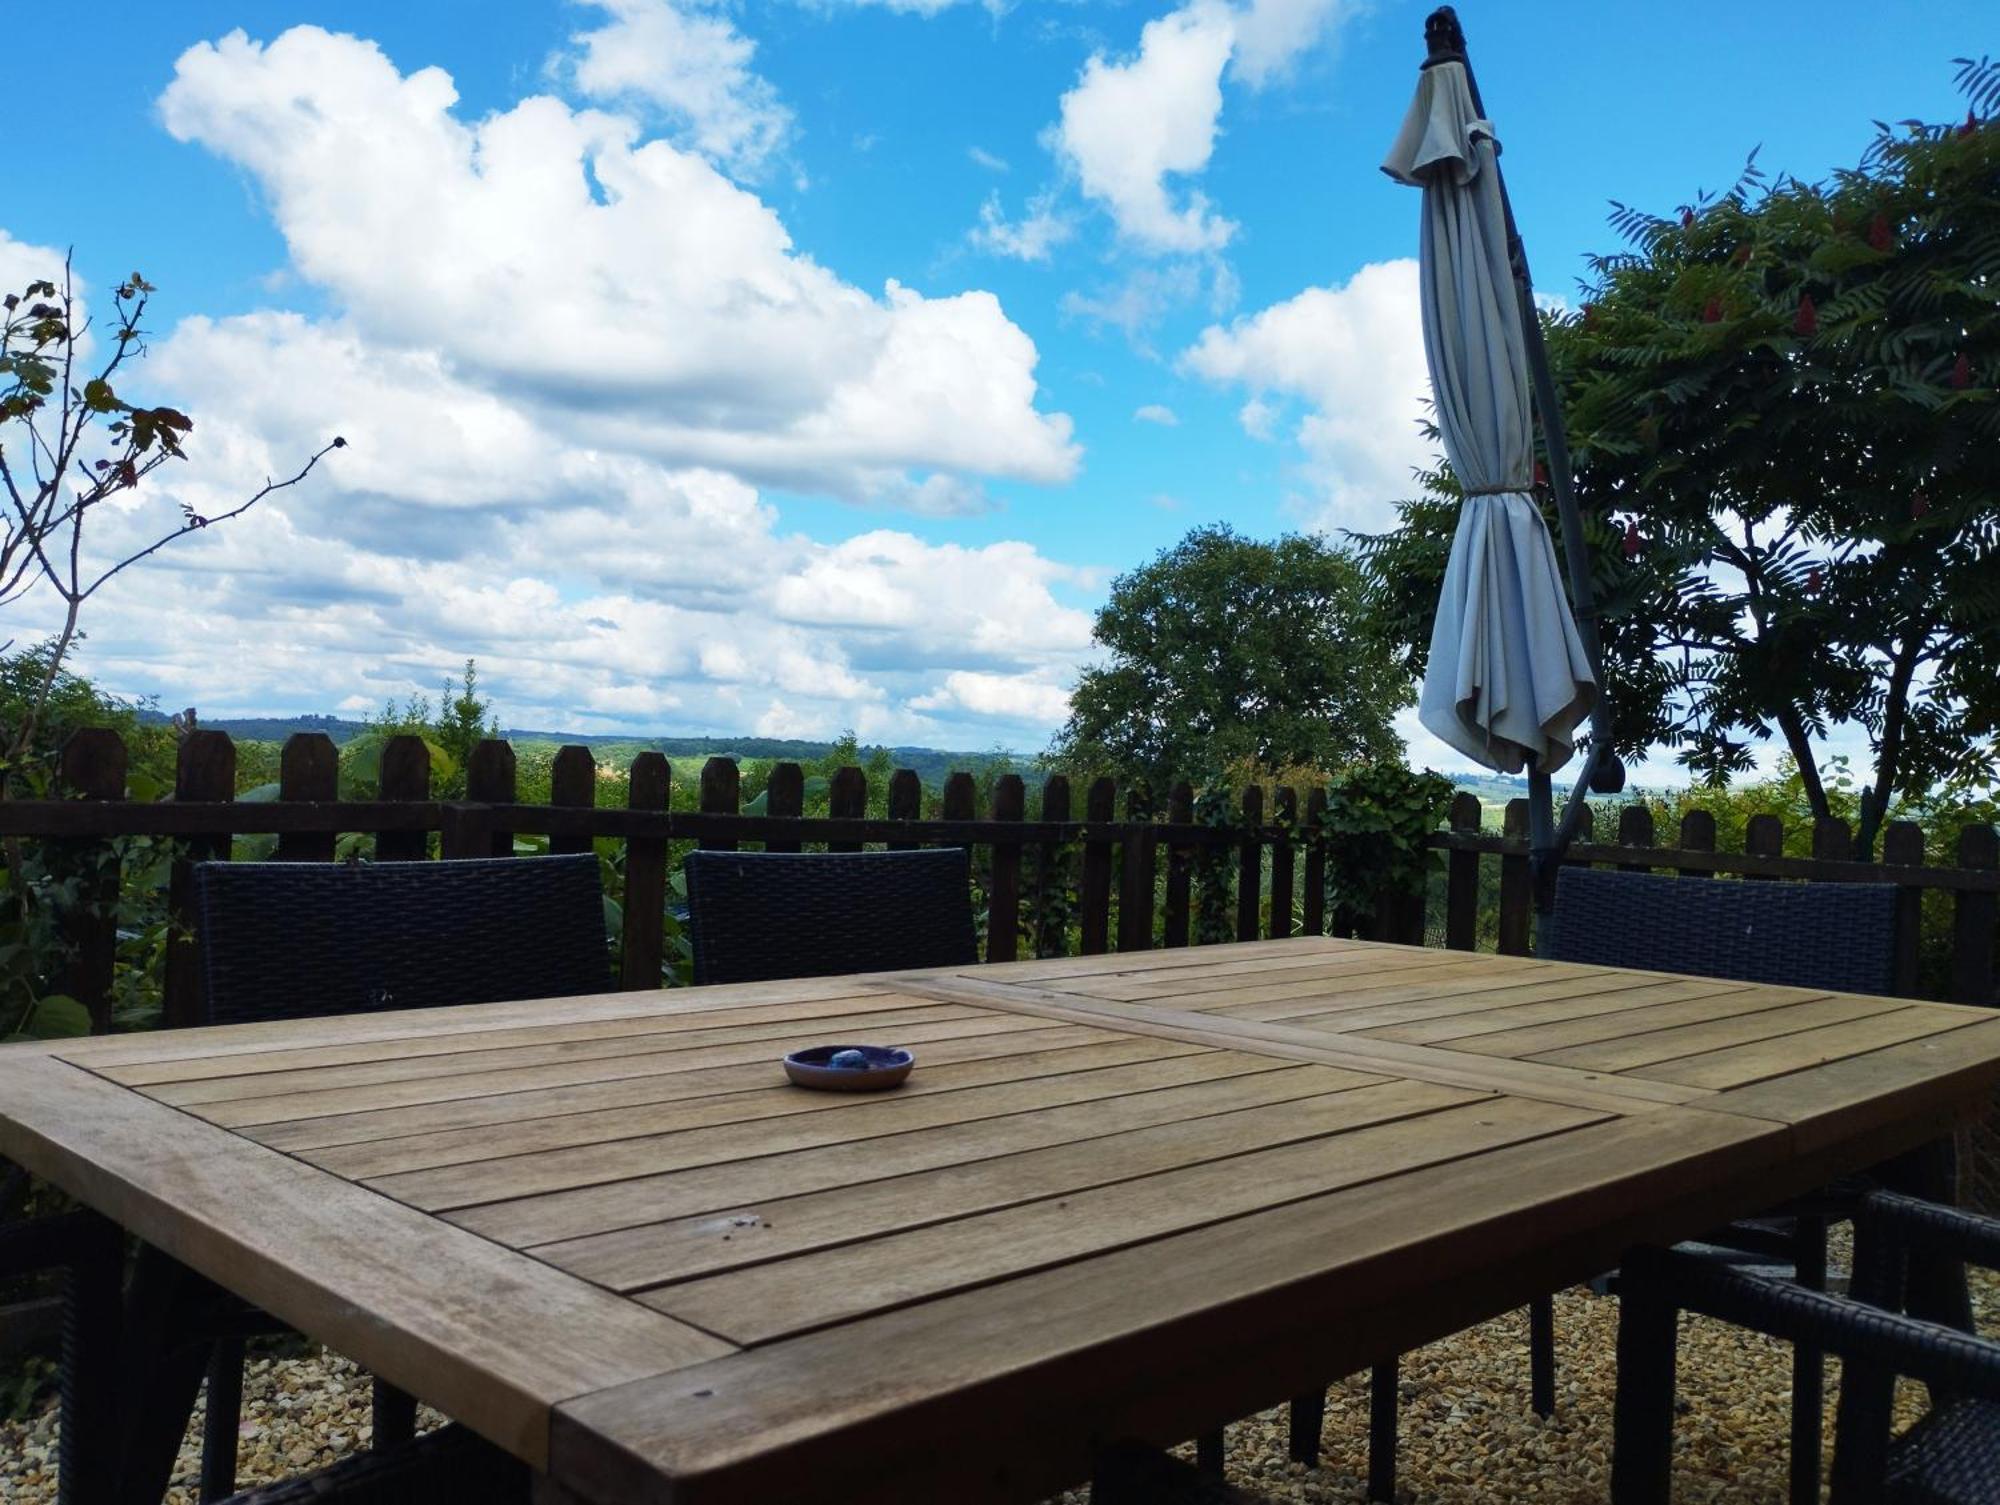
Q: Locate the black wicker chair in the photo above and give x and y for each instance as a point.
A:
(1801, 935)
(756, 916)
(1836, 936)
(1951, 1457)
(289, 940)
(1822, 935)
(86, 1254)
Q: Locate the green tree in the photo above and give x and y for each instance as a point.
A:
(464, 720)
(459, 723)
(1782, 406)
(1225, 649)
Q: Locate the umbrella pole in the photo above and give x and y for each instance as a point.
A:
(1548, 839)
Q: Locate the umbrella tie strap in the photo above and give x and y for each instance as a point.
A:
(1522, 490)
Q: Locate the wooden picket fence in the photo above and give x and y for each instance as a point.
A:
(1133, 884)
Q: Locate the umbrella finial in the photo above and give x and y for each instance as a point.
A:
(1444, 36)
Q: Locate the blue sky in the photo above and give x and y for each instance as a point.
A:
(798, 364)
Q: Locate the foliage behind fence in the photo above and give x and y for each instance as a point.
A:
(1052, 878)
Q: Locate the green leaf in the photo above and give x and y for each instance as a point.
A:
(57, 1017)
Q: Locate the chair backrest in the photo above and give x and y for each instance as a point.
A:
(289, 940)
(760, 915)
(1808, 935)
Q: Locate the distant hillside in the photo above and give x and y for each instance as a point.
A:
(930, 763)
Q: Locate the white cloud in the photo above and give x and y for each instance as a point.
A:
(983, 158)
(1354, 356)
(1157, 412)
(598, 590)
(1003, 695)
(1030, 238)
(565, 359)
(22, 262)
(1271, 34)
(1127, 125)
(660, 306)
(1259, 419)
(690, 61)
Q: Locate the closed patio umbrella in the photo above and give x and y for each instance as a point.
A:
(1513, 673)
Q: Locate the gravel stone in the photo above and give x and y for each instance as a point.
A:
(1468, 1437)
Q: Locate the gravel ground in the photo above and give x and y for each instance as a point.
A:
(1468, 1435)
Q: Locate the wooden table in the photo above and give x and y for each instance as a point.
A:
(1122, 1196)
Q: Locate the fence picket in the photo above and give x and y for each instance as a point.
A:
(1285, 812)
(1903, 846)
(721, 785)
(1697, 835)
(1003, 894)
(206, 771)
(1312, 903)
(785, 796)
(643, 943)
(93, 768)
(308, 769)
(1832, 841)
(405, 774)
(1099, 810)
(1180, 865)
(1461, 878)
(1973, 920)
(1517, 889)
(1635, 829)
(1764, 837)
(489, 780)
(572, 785)
(1051, 880)
(1137, 872)
(846, 799)
(1250, 867)
(906, 802)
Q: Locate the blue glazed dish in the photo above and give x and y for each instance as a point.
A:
(861, 1068)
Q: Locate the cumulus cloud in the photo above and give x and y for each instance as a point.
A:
(568, 359)
(1135, 131)
(1352, 358)
(1003, 695)
(556, 252)
(1127, 125)
(1157, 412)
(691, 62)
(1271, 34)
(599, 591)
(1029, 238)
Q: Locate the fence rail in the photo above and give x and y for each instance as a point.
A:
(1134, 886)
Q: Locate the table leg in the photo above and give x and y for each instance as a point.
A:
(394, 1414)
(1936, 1289)
(160, 1373)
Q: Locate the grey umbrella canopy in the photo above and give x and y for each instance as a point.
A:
(1510, 680)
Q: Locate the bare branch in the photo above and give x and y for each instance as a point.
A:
(209, 522)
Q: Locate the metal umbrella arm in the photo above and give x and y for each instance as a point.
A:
(1603, 773)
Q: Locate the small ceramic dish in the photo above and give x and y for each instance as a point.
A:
(849, 1068)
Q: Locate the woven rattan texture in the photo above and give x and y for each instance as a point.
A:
(1819, 935)
(290, 940)
(755, 916)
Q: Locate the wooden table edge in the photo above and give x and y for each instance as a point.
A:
(75, 1129)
